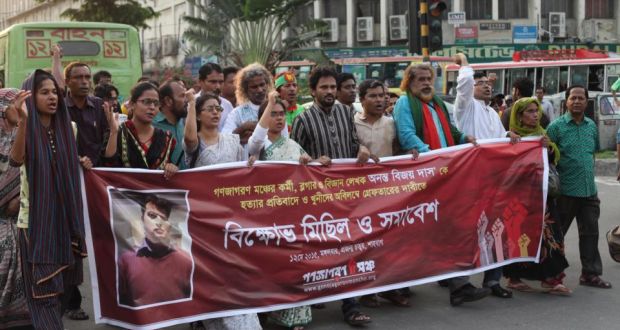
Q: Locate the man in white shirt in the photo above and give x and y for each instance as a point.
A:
(475, 117)
(548, 109)
(211, 78)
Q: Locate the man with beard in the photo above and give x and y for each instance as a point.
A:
(253, 82)
(328, 129)
(286, 86)
(211, 79)
(346, 89)
(423, 124)
(228, 87)
(156, 257)
(476, 118)
(171, 116)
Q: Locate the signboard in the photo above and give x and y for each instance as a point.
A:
(525, 34)
(494, 26)
(495, 33)
(466, 35)
(456, 17)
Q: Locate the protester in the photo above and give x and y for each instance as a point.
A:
(157, 255)
(577, 138)
(267, 143)
(521, 87)
(286, 85)
(205, 145)
(211, 79)
(389, 110)
(13, 304)
(346, 89)
(475, 118)
(328, 129)
(548, 110)
(423, 124)
(102, 77)
(51, 239)
(525, 121)
(228, 87)
(136, 143)
(253, 83)
(108, 93)
(171, 117)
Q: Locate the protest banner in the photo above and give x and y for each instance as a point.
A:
(277, 235)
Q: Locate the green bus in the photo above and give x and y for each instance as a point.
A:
(103, 46)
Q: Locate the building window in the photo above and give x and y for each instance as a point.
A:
(337, 9)
(369, 8)
(563, 6)
(478, 9)
(400, 7)
(512, 9)
(600, 9)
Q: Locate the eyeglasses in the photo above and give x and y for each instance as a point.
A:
(482, 83)
(149, 102)
(214, 108)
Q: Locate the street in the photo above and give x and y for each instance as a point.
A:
(587, 308)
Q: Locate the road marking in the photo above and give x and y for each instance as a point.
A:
(609, 181)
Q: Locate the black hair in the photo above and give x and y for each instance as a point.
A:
(342, 77)
(479, 74)
(204, 97)
(72, 65)
(369, 84)
(105, 91)
(161, 204)
(166, 89)
(42, 76)
(140, 88)
(573, 87)
(207, 69)
(143, 79)
(101, 74)
(525, 86)
(541, 88)
(230, 70)
(263, 107)
(320, 72)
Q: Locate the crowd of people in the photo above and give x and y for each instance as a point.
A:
(57, 122)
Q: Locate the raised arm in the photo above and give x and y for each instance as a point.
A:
(464, 87)
(112, 119)
(57, 69)
(190, 135)
(18, 151)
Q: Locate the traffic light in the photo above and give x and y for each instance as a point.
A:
(435, 38)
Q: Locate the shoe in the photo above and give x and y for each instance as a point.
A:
(356, 319)
(500, 292)
(468, 293)
(594, 281)
(613, 241)
(519, 286)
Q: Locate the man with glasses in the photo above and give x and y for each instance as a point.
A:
(157, 255)
(171, 116)
(475, 117)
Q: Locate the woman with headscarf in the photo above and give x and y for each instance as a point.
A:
(50, 220)
(13, 305)
(525, 121)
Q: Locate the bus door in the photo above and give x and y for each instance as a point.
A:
(608, 121)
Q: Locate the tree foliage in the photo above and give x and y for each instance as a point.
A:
(129, 12)
(247, 31)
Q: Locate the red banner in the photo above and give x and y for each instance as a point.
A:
(244, 239)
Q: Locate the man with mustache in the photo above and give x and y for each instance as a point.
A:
(475, 117)
(211, 79)
(253, 82)
(171, 116)
(328, 129)
(286, 86)
(423, 123)
(157, 255)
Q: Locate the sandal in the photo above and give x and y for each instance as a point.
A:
(396, 298)
(77, 314)
(594, 281)
(357, 318)
(519, 286)
(369, 300)
(560, 290)
(498, 291)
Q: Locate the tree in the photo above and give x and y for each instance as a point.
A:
(129, 12)
(247, 31)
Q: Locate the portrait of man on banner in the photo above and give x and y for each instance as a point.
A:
(153, 247)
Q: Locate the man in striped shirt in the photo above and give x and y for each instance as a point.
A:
(328, 129)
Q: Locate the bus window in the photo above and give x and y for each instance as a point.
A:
(610, 81)
(497, 87)
(596, 78)
(538, 82)
(550, 80)
(579, 75)
(79, 48)
(563, 78)
(531, 74)
(399, 73)
(375, 71)
(358, 71)
(451, 83)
